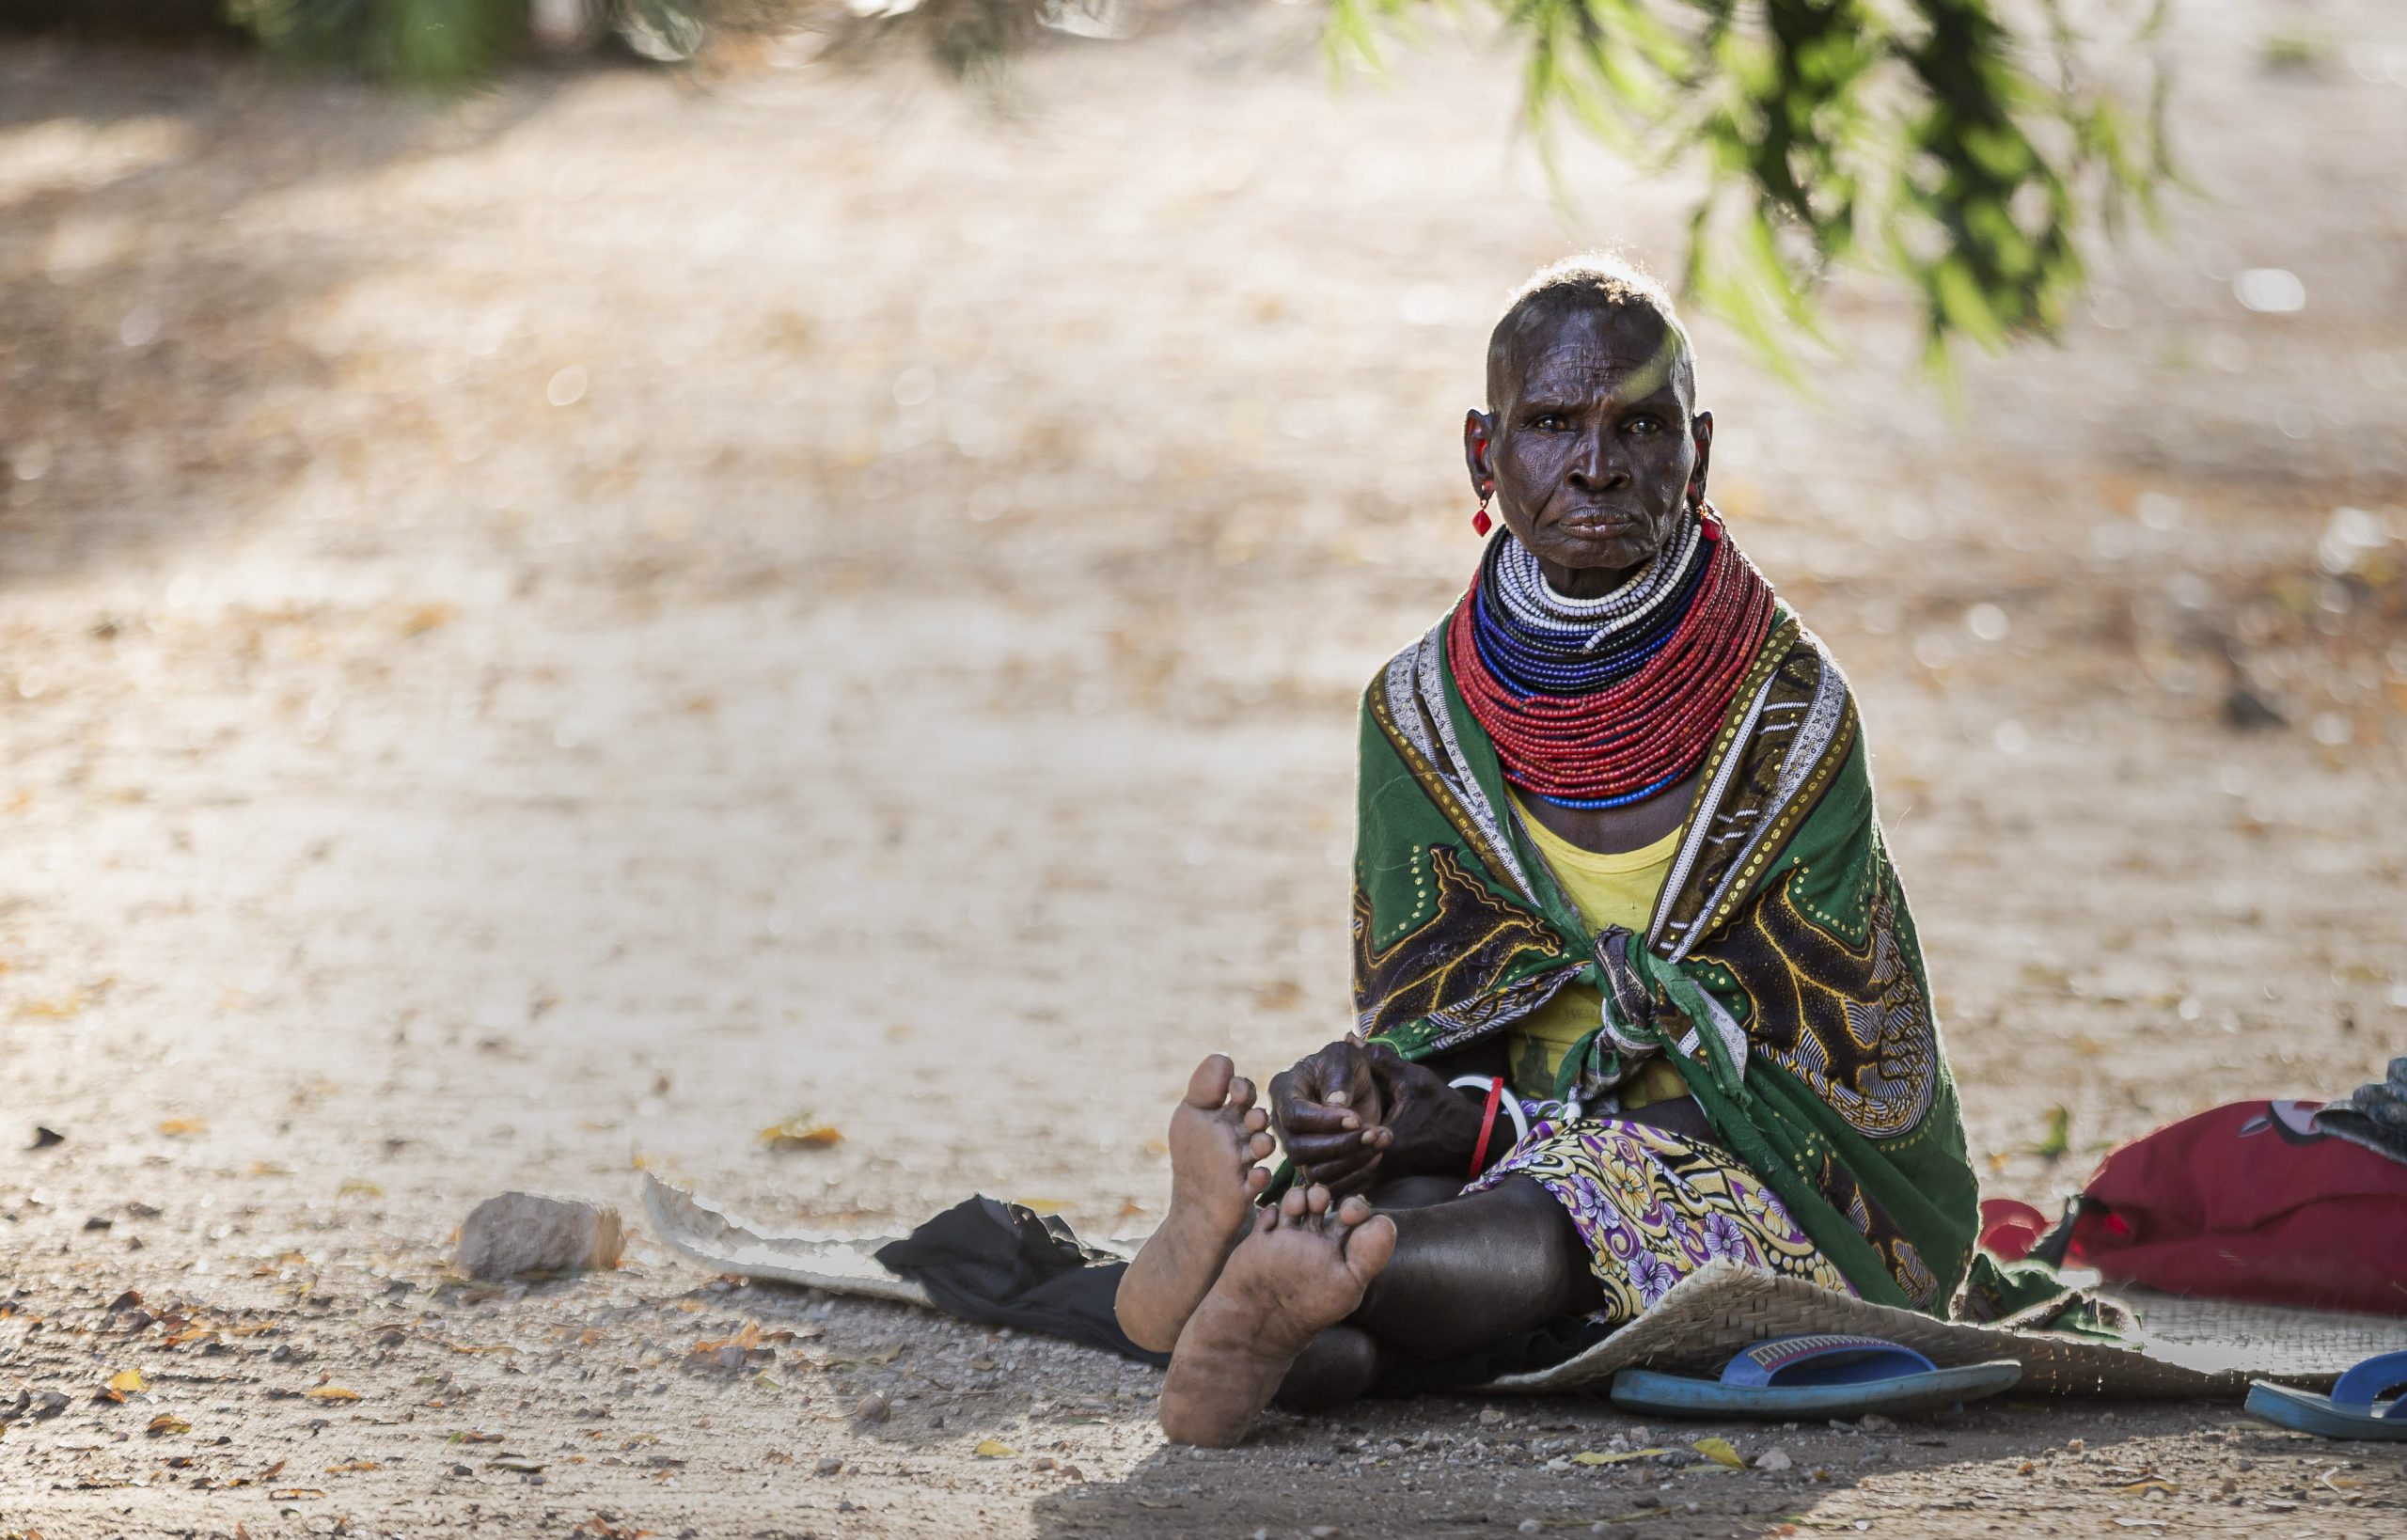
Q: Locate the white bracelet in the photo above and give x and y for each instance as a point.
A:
(1511, 1103)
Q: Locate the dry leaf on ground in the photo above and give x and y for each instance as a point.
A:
(800, 1132)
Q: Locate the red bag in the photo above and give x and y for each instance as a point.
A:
(2250, 1201)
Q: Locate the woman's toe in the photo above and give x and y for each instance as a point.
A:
(1369, 1246)
(1209, 1086)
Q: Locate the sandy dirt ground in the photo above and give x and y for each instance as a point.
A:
(546, 635)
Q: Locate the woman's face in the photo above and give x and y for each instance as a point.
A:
(1590, 447)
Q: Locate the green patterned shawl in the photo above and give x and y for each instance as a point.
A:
(1780, 973)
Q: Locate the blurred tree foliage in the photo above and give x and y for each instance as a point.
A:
(1923, 138)
(448, 43)
(1927, 139)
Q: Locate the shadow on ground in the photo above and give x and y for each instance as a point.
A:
(1443, 1467)
(152, 378)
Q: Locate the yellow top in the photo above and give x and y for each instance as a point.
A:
(1619, 888)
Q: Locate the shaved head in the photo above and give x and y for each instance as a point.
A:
(1590, 283)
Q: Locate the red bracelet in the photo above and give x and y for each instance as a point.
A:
(1487, 1125)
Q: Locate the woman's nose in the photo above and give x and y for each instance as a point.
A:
(1597, 464)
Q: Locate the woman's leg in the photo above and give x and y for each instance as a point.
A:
(1467, 1270)
(1477, 1267)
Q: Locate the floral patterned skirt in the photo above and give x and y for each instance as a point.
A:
(1654, 1207)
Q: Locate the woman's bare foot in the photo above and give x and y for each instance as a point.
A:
(1302, 1270)
(1215, 1135)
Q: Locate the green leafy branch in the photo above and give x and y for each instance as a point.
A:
(1922, 138)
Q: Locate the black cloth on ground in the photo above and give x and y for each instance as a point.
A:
(1003, 1264)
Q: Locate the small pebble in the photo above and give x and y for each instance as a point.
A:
(1071, 1472)
(1324, 1531)
(1530, 1526)
(829, 1465)
(2076, 1446)
(464, 1471)
(1043, 1462)
(1874, 1422)
(873, 1408)
(1774, 1459)
(1489, 1417)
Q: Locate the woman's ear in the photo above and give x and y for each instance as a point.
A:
(1479, 437)
(1701, 433)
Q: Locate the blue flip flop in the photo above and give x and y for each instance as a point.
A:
(2350, 1411)
(1826, 1375)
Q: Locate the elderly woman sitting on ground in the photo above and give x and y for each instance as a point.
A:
(1635, 984)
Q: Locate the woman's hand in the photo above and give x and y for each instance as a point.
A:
(1434, 1127)
(1355, 1110)
(1327, 1113)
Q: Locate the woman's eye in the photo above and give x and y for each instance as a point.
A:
(1647, 425)
(1552, 423)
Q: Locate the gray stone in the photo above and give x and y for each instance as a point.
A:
(527, 1232)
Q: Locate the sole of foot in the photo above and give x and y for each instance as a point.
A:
(1299, 1271)
(1217, 1137)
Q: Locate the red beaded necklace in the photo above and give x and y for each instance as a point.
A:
(1632, 736)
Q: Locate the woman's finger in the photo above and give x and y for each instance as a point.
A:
(1325, 1148)
(1318, 1118)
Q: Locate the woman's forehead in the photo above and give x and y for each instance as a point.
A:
(1622, 373)
(1626, 353)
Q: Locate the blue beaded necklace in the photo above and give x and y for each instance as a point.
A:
(1536, 642)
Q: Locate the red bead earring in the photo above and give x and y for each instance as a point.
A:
(1480, 522)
